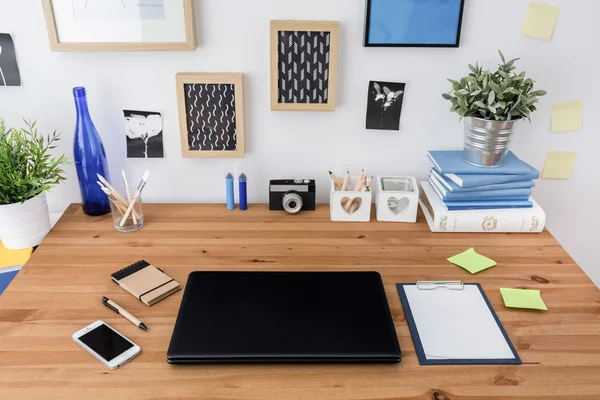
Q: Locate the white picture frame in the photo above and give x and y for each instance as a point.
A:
(120, 25)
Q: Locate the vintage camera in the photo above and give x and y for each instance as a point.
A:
(292, 195)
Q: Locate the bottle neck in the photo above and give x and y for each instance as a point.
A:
(82, 108)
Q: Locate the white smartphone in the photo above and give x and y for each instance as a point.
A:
(106, 344)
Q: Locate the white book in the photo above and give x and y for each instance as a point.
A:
(524, 220)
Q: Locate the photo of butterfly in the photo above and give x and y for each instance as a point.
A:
(384, 105)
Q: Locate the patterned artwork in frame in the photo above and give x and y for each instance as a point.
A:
(303, 65)
(211, 114)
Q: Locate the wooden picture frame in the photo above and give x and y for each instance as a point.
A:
(211, 114)
(56, 45)
(368, 42)
(323, 52)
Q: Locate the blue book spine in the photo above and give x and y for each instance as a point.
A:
(453, 187)
(451, 162)
(483, 203)
(488, 194)
(471, 180)
(461, 208)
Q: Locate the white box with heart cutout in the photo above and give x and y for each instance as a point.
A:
(397, 198)
(352, 206)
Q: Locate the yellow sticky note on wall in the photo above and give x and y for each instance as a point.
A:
(540, 21)
(559, 165)
(567, 116)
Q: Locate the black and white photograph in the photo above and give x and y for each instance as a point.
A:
(303, 69)
(9, 70)
(144, 130)
(384, 105)
(212, 115)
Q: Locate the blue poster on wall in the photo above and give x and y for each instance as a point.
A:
(413, 23)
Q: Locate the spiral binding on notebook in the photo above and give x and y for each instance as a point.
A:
(131, 269)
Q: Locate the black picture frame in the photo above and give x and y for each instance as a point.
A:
(366, 43)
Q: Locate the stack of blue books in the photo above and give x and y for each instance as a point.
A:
(462, 186)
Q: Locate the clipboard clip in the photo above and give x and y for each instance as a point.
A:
(432, 285)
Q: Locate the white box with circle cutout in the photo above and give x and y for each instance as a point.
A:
(397, 198)
(359, 208)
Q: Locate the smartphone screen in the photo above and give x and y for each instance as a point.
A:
(106, 342)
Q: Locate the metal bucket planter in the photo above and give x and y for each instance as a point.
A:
(487, 142)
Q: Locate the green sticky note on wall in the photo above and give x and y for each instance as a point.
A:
(540, 21)
(472, 261)
(567, 116)
(523, 298)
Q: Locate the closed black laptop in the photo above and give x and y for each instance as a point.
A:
(284, 317)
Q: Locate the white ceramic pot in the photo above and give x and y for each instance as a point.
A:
(24, 225)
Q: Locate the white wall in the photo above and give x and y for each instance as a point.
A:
(233, 36)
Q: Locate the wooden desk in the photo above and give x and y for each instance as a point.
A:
(59, 291)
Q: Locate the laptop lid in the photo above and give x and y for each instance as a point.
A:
(283, 317)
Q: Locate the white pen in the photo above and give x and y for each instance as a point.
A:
(128, 193)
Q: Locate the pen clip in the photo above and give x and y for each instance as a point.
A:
(432, 285)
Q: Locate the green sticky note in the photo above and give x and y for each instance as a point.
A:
(559, 165)
(472, 261)
(540, 21)
(567, 116)
(523, 298)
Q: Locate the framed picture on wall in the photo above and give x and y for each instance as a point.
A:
(410, 23)
(211, 114)
(303, 65)
(113, 25)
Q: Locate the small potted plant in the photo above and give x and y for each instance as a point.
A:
(27, 171)
(492, 103)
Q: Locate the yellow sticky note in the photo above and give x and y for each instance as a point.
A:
(523, 298)
(540, 21)
(559, 165)
(472, 261)
(9, 258)
(567, 116)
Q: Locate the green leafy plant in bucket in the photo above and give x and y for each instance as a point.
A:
(502, 95)
(26, 166)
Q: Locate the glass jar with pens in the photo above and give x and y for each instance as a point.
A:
(125, 203)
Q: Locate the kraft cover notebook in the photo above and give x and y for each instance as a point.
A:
(146, 282)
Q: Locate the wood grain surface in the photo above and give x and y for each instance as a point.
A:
(59, 291)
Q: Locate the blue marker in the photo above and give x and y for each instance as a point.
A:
(243, 193)
(229, 185)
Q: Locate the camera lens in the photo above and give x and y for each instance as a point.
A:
(292, 202)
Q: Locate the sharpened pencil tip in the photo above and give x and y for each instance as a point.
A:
(144, 327)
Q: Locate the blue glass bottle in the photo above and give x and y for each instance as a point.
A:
(90, 158)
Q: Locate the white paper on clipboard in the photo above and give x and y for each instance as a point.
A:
(456, 324)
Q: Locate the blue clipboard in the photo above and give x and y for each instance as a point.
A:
(414, 332)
